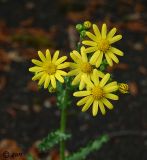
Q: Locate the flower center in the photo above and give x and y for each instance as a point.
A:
(97, 92)
(103, 45)
(50, 68)
(86, 67)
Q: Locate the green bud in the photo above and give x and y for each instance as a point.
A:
(83, 34)
(79, 27)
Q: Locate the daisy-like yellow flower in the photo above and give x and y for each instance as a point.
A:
(81, 67)
(98, 94)
(101, 44)
(49, 69)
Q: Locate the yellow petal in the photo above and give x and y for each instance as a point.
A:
(36, 69)
(53, 81)
(87, 104)
(112, 56)
(95, 108)
(109, 60)
(63, 65)
(77, 79)
(88, 81)
(75, 57)
(96, 31)
(90, 49)
(95, 77)
(63, 73)
(89, 43)
(82, 101)
(104, 31)
(48, 55)
(76, 53)
(115, 39)
(100, 74)
(94, 57)
(116, 51)
(107, 103)
(99, 60)
(111, 84)
(60, 60)
(55, 56)
(59, 77)
(102, 108)
(110, 89)
(81, 93)
(111, 33)
(42, 79)
(104, 80)
(73, 72)
(47, 81)
(82, 84)
(41, 55)
(73, 65)
(111, 96)
(37, 76)
(38, 63)
(84, 57)
(91, 36)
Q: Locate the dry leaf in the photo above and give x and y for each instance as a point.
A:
(133, 88)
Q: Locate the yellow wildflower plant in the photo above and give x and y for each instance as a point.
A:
(100, 44)
(81, 67)
(48, 70)
(98, 94)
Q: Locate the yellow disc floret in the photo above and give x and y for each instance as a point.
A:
(49, 68)
(86, 67)
(103, 45)
(97, 93)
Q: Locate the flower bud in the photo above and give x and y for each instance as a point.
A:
(87, 24)
(83, 34)
(79, 27)
(123, 88)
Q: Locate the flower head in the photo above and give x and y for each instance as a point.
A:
(81, 67)
(101, 44)
(123, 88)
(49, 69)
(98, 94)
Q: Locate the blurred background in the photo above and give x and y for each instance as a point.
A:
(28, 114)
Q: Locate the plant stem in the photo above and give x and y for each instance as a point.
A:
(62, 129)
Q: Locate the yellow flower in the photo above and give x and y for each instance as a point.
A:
(49, 69)
(100, 43)
(123, 88)
(97, 94)
(81, 67)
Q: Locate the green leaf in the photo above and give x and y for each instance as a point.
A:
(30, 157)
(52, 139)
(92, 146)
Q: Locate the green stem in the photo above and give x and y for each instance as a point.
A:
(62, 129)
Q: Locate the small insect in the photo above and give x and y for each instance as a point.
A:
(123, 88)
